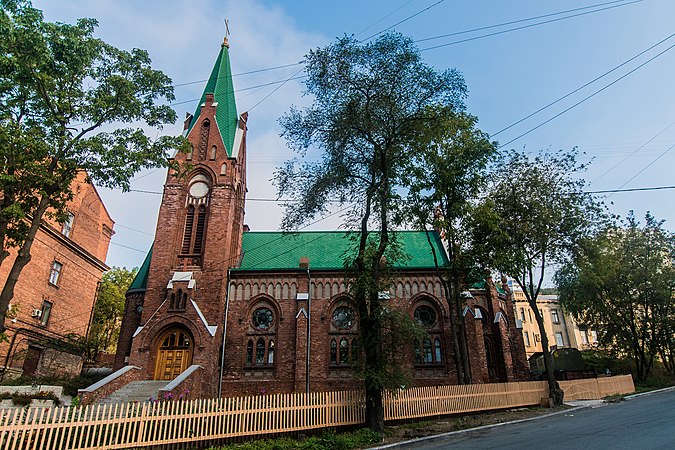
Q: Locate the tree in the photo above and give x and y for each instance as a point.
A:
(108, 310)
(58, 86)
(447, 176)
(621, 282)
(371, 102)
(534, 215)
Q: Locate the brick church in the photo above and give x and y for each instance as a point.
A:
(245, 312)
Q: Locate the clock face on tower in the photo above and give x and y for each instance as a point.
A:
(199, 189)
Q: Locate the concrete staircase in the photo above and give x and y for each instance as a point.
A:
(135, 391)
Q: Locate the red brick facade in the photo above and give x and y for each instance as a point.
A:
(259, 329)
(36, 343)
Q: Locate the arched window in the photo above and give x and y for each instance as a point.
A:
(261, 341)
(212, 156)
(430, 350)
(249, 352)
(333, 352)
(343, 350)
(260, 352)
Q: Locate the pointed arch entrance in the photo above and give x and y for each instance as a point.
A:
(173, 353)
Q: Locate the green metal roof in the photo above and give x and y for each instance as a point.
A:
(141, 280)
(327, 249)
(220, 85)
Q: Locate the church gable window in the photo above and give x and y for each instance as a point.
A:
(261, 338)
(343, 350)
(429, 351)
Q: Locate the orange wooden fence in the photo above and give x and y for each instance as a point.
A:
(597, 388)
(137, 425)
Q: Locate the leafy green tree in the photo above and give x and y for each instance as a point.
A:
(108, 310)
(371, 103)
(534, 215)
(447, 176)
(621, 282)
(59, 85)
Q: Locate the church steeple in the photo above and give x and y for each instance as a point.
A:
(221, 87)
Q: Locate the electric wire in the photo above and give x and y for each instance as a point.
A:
(512, 22)
(385, 17)
(587, 97)
(645, 168)
(582, 87)
(632, 153)
(402, 21)
(496, 33)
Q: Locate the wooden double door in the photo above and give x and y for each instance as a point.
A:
(174, 354)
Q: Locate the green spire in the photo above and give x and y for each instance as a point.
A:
(220, 85)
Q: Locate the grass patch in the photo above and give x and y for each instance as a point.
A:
(328, 441)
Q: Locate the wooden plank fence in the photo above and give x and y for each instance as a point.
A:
(137, 425)
(597, 388)
(441, 400)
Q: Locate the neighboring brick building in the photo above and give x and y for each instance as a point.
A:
(270, 311)
(53, 301)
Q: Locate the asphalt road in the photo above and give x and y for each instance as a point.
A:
(643, 423)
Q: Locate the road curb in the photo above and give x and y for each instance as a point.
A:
(483, 427)
(641, 394)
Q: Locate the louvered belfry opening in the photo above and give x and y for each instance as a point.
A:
(199, 232)
(196, 211)
(187, 236)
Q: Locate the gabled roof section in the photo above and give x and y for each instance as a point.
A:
(220, 85)
(326, 250)
(141, 280)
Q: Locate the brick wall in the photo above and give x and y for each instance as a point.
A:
(73, 296)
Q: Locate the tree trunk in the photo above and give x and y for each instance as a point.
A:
(453, 331)
(554, 392)
(461, 329)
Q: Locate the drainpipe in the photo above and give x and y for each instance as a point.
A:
(222, 344)
(309, 317)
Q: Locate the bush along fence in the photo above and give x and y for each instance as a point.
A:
(211, 421)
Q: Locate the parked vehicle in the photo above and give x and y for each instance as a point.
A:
(567, 365)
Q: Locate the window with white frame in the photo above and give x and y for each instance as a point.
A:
(559, 339)
(55, 273)
(526, 335)
(46, 312)
(68, 225)
(555, 318)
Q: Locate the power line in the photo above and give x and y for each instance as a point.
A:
(133, 229)
(292, 77)
(646, 167)
(267, 69)
(130, 248)
(587, 97)
(456, 33)
(632, 153)
(581, 87)
(385, 17)
(404, 20)
(461, 41)
(282, 81)
(655, 188)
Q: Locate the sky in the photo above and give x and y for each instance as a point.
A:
(625, 128)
